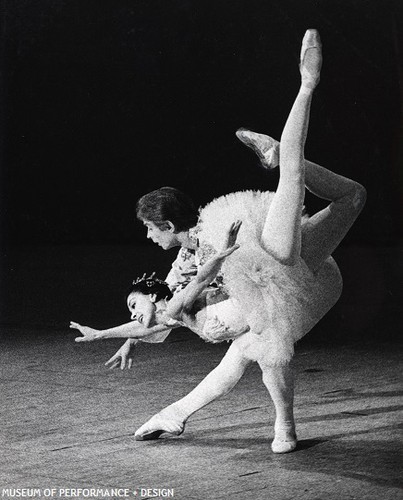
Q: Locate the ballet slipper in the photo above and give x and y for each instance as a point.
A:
(266, 148)
(285, 439)
(157, 425)
(281, 446)
(311, 59)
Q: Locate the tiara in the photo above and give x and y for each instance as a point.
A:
(150, 281)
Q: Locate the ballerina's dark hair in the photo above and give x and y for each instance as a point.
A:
(149, 286)
(167, 204)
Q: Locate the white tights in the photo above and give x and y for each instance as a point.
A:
(279, 381)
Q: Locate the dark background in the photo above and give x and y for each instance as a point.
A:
(103, 101)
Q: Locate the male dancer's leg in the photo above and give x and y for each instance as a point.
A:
(279, 381)
(217, 383)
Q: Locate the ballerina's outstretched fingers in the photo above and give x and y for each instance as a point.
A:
(88, 334)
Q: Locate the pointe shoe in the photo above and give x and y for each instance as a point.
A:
(311, 59)
(266, 148)
(157, 425)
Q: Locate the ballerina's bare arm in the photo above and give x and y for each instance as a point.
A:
(183, 300)
(133, 330)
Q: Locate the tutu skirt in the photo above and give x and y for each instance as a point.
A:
(280, 303)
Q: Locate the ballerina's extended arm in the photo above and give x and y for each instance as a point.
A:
(132, 330)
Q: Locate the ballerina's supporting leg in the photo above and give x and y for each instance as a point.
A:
(217, 383)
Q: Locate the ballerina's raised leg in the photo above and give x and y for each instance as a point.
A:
(282, 229)
(324, 231)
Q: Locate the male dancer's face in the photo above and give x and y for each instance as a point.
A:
(165, 238)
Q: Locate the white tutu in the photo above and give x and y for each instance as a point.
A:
(280, 303)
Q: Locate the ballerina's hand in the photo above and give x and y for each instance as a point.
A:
(230, 244)
(122, 357)
(89, 334)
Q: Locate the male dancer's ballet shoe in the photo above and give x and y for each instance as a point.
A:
(285, 439)
(157, 425)
(266, 148)
(311, 59)
(280, 446)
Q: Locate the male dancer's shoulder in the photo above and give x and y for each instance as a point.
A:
(183, 270)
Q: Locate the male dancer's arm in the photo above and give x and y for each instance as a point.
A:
(183, 301)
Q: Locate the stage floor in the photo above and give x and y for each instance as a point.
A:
(69, 422)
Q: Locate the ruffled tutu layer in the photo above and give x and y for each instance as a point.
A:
(280, 303)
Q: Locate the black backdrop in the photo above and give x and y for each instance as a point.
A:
(103, 101)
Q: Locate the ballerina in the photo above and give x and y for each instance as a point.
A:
(281, 278)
